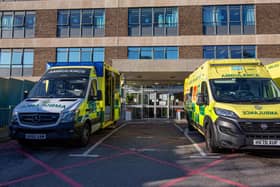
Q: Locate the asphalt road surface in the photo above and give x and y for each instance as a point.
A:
(148, 153)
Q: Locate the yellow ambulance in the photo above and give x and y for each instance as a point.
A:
(71, 101)
(274, 70)
(234, 104)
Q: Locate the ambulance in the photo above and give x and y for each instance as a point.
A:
(70, 101)
(274, 70)
(234, 104)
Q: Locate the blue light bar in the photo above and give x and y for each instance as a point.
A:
(98, 65)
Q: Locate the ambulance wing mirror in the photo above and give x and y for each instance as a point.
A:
(25, 94)
(200, 99)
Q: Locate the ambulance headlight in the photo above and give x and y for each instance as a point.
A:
(225, 113)
(68, 116)
(14, 116)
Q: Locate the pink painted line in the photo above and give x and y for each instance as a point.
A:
(24, 179)
(83, 163)
(174, 181)
(211, 164)
(222, 180)
(50, 169)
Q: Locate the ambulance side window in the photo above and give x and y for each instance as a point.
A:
(191, 92)
(204, 91)
(93, 90)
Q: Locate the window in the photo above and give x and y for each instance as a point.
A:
(80, 23)
(16, 62)
(18, 24)
(153, 21)
(80, 54)
(233, 19)
(153, 53)
(223, 52)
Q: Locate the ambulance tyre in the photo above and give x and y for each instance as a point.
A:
(211, 145)
(85, 135)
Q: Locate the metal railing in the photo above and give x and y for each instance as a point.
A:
(5, 116)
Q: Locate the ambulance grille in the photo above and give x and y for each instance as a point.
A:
(260, 126)
(38, 119)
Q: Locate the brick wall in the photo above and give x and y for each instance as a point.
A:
(190, 52)
(115, 53)
(116, 22)
(190, 20)
(46, 23)
(41, 57)
(268, 51)
(268, 18)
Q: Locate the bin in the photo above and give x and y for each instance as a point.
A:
(128, 115)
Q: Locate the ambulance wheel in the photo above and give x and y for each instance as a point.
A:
(211, 145)
(85, 135)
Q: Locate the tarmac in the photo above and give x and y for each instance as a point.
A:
(4, 131)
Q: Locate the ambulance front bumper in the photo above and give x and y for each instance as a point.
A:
(248, 134)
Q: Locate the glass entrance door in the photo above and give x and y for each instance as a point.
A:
(156, 105)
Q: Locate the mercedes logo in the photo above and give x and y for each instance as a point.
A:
(264, 126)
(36, 118)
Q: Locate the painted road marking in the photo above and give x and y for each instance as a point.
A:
(86, 153)
(201, 152)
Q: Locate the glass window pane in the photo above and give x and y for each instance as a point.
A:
(30, 20)
(133, 16)
(249, 52)
(159, 18)
(6, 56)
(86, 55)
(172, 53)
(62, 55)
(171, 17)
(98, 54)
(133, 53)
(209, 16)
(63, 17)
(87, 17)
(248, 15)
(209, 52)
(235, 52)
(146, 16)
(235, 17)
(221, 15)
(159, 53)
(28, 57)
(222, 52)
(17, 57)
(7, 22)
(146, 53)
(74, 55)
(19, 19)
(99, 18)
(75, 18)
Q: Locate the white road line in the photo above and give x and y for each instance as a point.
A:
(204, 157)
(86, 153)
(201, 152)
(82, 155)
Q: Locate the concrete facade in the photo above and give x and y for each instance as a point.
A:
(190, 39)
